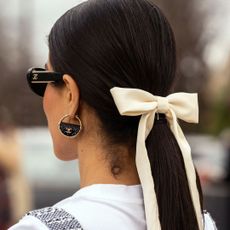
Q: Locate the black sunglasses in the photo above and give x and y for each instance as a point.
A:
(38, 79)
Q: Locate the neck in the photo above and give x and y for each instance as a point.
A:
(96, 160)
(95, 169)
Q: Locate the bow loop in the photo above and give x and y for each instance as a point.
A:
(133, 102)
(185, 106)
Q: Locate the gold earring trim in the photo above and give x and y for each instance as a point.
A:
(69, 130)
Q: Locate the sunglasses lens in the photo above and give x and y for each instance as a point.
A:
(38, 88)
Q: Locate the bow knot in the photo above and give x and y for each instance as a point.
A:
(162, 104)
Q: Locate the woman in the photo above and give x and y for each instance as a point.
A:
(111, 65)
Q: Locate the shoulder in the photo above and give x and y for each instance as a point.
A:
(29, 223)
(48, 218)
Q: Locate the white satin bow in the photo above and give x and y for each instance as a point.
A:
(134, 102)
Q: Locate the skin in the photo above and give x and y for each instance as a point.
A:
(9, 144)
(90, 146)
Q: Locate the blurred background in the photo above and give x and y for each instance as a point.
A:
(31, 177)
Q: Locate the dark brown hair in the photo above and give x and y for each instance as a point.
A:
(123, 43)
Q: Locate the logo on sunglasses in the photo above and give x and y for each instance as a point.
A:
(35, 76)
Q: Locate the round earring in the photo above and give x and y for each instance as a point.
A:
(69, 130)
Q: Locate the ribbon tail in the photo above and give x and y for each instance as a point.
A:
(189, 166)
(145, 174)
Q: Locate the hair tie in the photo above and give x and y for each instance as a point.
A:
(160, 118)
(136, 102)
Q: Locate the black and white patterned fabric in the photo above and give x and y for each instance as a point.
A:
(56, 219)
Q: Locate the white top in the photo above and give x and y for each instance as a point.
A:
(99, 206)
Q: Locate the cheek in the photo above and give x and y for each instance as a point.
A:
(50, 106)
(62, 146)
(52, 113)
(48, 101)
(45, 106)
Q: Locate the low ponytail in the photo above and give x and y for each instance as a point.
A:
(130, 44)
(175, 205)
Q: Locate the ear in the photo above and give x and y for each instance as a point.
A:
(72, 95)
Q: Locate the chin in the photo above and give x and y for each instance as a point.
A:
(63, 149)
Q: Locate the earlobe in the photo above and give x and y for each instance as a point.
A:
(72, 95)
